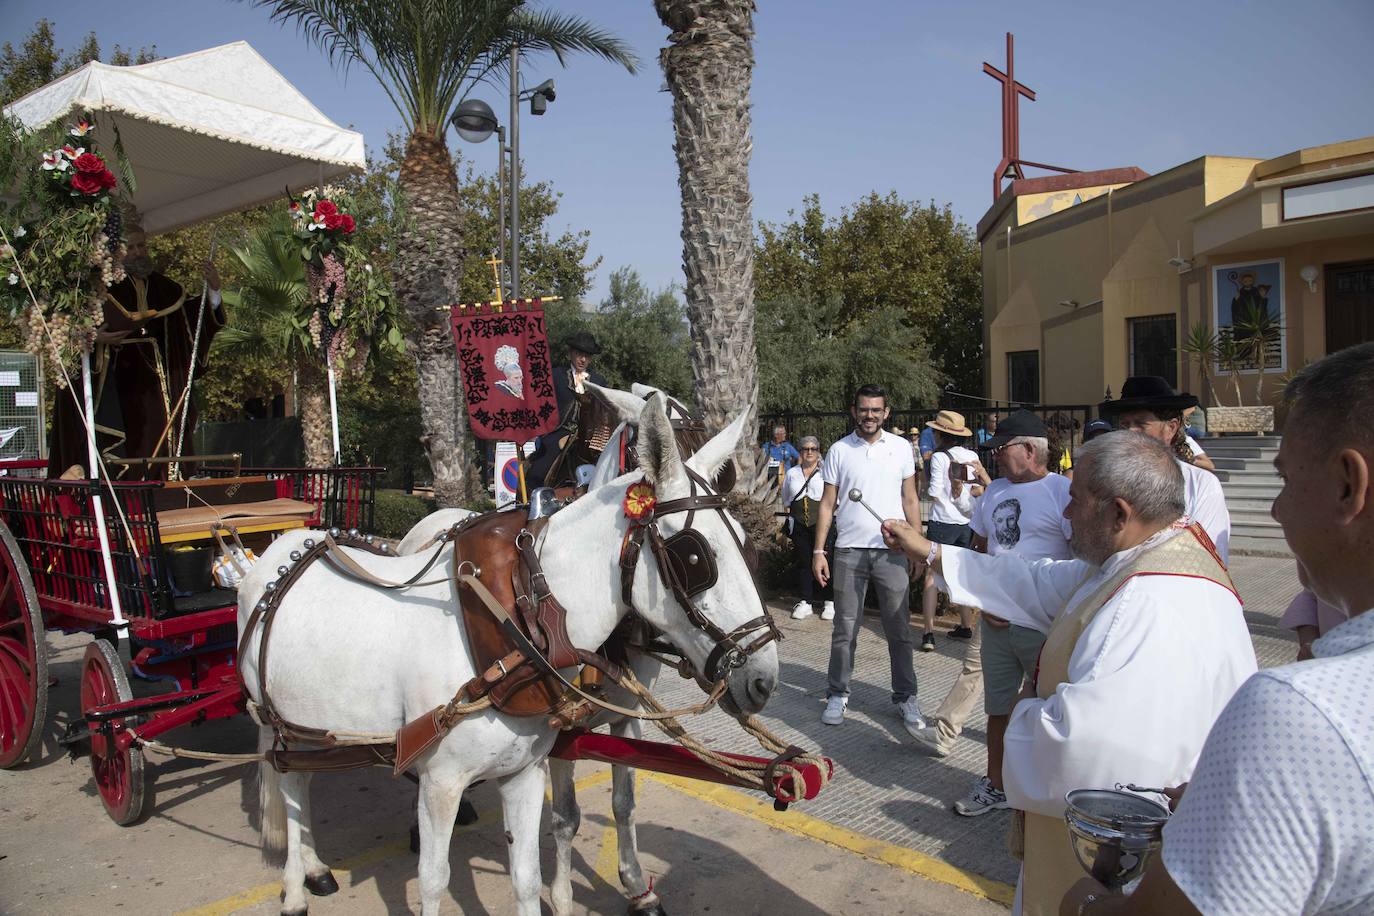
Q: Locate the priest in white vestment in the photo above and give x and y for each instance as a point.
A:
(1147, 646)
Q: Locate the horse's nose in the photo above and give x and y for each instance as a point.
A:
(760, 688)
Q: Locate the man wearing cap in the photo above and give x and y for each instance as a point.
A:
(1022, 513)
(1148, 644)
(878, 465)
(1148, 404)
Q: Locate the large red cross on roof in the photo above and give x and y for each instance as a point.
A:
(1011, 117)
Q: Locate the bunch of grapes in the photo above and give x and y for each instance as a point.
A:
(333, 275)
(316, 328)
(114, 230)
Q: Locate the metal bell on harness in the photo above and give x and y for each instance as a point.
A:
(282, 570)
(309, 543)
(296, 554)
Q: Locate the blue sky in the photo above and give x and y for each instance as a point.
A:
(860, 96)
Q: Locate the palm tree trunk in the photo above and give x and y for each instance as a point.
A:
(708, 65)
(312, 394)
(430, 265)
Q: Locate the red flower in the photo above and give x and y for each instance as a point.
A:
(348, 224)
(107, 179)
(324, 208)
(333, 221)
(639, 501)
(87, 183)
(89, 162)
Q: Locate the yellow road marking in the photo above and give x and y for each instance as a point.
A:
(607, 860)
(917, 863)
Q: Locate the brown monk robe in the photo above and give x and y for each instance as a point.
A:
(142, 359)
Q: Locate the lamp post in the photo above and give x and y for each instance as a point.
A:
(475, 122)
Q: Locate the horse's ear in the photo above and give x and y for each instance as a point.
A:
(658, 454)
(708, 459)
(626, 406)
(643, 391)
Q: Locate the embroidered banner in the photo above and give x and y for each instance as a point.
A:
(507, 379)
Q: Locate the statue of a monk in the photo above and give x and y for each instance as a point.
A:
(142, 360)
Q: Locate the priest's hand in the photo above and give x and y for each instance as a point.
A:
(902, 535)
(211, 275)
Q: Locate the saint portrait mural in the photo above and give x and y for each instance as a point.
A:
(1242, 291)
(507, 362)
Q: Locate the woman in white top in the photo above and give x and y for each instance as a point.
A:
(802, 488)
(956, 477)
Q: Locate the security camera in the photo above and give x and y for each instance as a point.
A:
(1181, 264)
(546, 90)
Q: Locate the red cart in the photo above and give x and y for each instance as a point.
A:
(52, 576)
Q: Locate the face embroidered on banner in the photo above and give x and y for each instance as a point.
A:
(639, 501)
(507, 362)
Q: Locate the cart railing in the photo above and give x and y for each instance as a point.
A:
(55, 524)
(343, 497)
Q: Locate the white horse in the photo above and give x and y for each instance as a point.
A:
(331, 629)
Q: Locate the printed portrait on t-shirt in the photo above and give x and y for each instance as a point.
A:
(1006, 523)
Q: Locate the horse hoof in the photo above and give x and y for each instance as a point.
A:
(467, 814)
(653, 909)
(321, 885)
(301, 912)
(415, 839)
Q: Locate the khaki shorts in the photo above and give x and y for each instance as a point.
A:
(1010, 655)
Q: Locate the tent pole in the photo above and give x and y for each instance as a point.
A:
(334, 413)
(117, 619)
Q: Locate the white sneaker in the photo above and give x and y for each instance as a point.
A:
(981, 799)
(828, 612)
(911, 714)
(802, 610)
(834, 710)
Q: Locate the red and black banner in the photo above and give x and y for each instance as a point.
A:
(503, 350)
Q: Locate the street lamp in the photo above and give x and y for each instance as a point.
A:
(475, 122)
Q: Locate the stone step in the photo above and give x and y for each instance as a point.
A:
(1251, 453)
(1259, 524)
(1243, 546)
(1251, 471)
(1225, 463)
(1251, 504)
(1247, 441)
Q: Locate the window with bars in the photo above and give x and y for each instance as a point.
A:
(1152, 343)
(1023, 376)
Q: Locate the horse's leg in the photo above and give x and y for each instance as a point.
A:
(643, 900)
(522, 802)
(438, 803)
(293, 789)
(319, 880)
(567, 817)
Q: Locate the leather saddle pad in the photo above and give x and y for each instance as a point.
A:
(488, 542)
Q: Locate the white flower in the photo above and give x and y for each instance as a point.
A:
(14, 279)
(367, 267)
(20, 231)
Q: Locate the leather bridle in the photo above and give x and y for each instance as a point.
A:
(687, 564)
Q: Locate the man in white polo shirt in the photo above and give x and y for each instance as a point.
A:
(881, 466)
(1149, 405)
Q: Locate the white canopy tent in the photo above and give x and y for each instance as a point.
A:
(207, 133)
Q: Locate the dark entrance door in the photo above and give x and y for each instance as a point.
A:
(1349, 305)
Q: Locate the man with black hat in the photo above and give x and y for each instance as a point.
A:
(569, 387)
(1148, 404)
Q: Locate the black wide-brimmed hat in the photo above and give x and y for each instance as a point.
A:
(584, 342)
(1016, 424)
(1147, 392)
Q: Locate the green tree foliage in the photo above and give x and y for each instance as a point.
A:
(883, 265)
(643, 335)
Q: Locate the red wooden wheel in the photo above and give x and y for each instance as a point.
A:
(23, 658)
(118, 774)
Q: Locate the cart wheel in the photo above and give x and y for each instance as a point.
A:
(23, 658)
(118, 774)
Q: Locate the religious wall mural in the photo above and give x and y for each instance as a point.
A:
(1243, 292)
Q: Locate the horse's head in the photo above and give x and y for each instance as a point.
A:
(693, 582)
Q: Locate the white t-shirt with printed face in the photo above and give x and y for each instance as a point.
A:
(878, 470)
(1025, 518)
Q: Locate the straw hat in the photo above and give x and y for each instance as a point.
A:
(950, 423)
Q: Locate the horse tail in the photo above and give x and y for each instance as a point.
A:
(272, 805)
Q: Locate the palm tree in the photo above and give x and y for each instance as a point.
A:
(427, 54)
(708, 64)
(270, 314)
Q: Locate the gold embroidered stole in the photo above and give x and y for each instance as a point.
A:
(1050, 867)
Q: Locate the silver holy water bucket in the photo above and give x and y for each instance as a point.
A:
(1114, 833)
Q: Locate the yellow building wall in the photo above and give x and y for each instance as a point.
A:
(1071, 357)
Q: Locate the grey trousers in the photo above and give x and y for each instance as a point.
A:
(852, 570)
